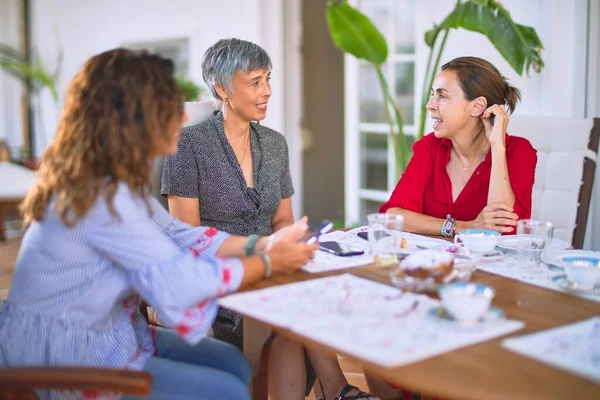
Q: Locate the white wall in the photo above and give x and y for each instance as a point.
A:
(593, 110)
(84, 28)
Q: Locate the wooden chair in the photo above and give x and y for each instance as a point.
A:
(21, 383)
(567, 152)
(15, 183)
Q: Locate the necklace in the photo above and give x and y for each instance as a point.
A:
(245, 151)
(247, 141)
(465, 168)
(462, 166)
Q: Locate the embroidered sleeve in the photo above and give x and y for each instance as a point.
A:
(181, 284)
(203, 241)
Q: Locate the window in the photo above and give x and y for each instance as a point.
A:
(176, 50)
(369, 167)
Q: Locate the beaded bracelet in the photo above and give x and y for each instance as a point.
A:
(448, 226)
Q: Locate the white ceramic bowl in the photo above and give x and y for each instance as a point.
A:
(478, 241)
(466, 301)
(582, 270)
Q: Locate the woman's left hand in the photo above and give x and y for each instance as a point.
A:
(495, 132)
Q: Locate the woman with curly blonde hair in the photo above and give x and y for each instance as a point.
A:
(98, 243)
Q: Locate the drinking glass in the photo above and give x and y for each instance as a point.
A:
(535, 237)
(385, 238)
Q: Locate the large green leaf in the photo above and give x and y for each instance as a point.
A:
(518, 44)
(354, 33)
(475, 17)
(534, 48)
(505, 37)
(451, 21)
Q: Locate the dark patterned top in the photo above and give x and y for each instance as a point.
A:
(205, 167)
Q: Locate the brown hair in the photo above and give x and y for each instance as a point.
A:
(118, 108)
(479, 77)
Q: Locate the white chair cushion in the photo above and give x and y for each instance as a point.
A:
(561, 145)
(15, 181)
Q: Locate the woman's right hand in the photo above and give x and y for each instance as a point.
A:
(289, 253)
(497, 217)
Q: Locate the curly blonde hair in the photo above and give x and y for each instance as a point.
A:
(118, 109)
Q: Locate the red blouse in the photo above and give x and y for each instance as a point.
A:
(425, 186)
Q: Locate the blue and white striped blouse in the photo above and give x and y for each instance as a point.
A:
(75, 294)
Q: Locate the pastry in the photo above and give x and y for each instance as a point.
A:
(428, 264)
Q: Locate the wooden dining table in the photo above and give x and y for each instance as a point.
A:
(480, 371)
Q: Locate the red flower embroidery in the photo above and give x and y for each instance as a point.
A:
(203, 242)
(210, 232)
(226, 275)
(193, 318)
(182, 329)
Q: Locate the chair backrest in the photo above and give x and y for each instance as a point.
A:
(197, 111)
(567, 149)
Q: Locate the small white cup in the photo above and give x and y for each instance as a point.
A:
(478, 241)
(583, 271)
(466, 301)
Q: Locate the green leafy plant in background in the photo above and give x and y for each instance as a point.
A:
(189, 89)
(518, 44)
(354, 33)
(13, 62)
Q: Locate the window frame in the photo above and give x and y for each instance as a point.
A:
(355, 195)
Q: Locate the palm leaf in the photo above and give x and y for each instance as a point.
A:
(13, 62)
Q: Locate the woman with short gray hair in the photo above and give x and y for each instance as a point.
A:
(233, 174)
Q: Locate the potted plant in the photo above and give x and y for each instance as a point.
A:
(189, 89)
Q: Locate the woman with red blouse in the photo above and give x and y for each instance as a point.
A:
(469, 173)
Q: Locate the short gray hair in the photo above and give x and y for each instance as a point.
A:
(226, 57)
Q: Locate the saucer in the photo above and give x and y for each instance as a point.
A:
(461, 254)
(494, 313)
(513, 243)
(565, 283)
(558, 258)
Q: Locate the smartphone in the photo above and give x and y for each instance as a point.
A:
(322, 229)
(339, 249)
(365, 235)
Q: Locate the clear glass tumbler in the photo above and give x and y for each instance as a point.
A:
(385, 238)
(534, 238)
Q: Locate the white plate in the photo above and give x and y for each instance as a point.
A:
(461, 254)
(555, 258)
(511, 243)
(565, 283)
